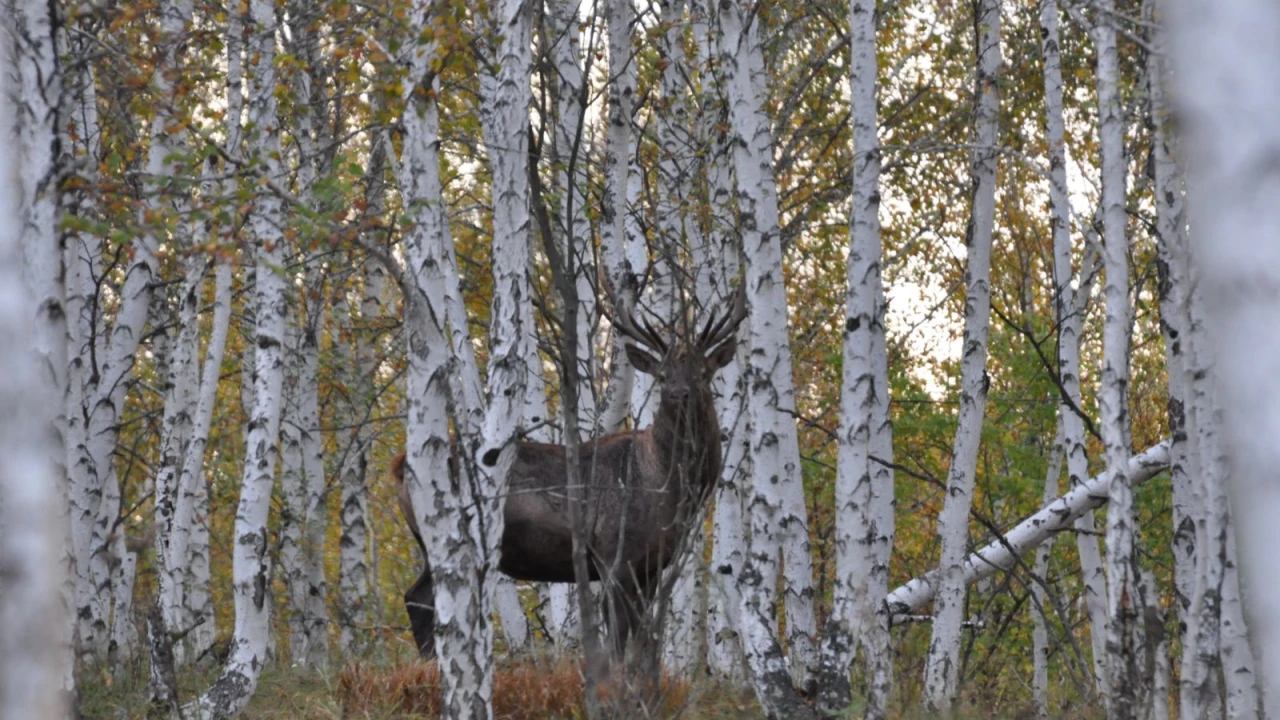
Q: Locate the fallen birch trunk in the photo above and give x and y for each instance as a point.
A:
(1055, 517)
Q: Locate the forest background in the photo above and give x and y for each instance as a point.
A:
(243, 195)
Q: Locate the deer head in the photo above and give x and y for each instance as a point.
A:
(685, 424)
(683, 367)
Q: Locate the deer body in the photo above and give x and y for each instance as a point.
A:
(642, 489)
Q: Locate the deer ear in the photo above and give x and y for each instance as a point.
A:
(723, 354)
(641, 360)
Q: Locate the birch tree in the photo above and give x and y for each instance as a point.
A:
(106, 578)
(728, 554)
(1221, 52)
(864, 516)
(355, 599)
(250, 562)
(1069, 316)
(33, 353)
(462, 525)
(942, 669)
(1122, 583)
(778, 522)
(1053, 518)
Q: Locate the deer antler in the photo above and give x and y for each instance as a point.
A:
(625, 322)
(712, 335)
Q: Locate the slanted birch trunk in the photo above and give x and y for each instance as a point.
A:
(33, 355)
(250, 563)
(1069, 326)
(1054, 518)
(864, 510)
(778, 522)
(942, 669)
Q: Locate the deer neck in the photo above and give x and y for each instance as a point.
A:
(687, 436)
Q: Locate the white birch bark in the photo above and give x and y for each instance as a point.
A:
(315, 521)
(1199, 696)
(1028, 534)
(1230, 101)
(110, 564)
(1238, 659)
(179, 417)
(942, 668)
(864, 386)
(1040, 616)
(571, 145)
(191, 550)
(250, 562)
(81, 251)
(1201, 658)
(355, 602)
(1069, 325)
(33, 354)
(505, 100)
(618, 228)
(299, 477)
(778, 522)
(1158, 705)
(197, 556)
(724, 600)
(307, 587)
(1122, 575)
(1174, 321)
(463, 551)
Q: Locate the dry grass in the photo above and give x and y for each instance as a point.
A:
(537, 688)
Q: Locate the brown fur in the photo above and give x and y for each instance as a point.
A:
(643, 490)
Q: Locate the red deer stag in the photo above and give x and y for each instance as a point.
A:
(642, 487)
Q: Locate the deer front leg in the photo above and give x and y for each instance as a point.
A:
(420, 601)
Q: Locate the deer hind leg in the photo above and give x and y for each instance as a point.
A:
(420, 601)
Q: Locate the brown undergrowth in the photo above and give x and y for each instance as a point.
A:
(538, 688)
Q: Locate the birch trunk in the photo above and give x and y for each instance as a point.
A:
(618, 227)
(1054, 518)
(81, 251)
(1113, 396)
(571, 164)
(942, 669)
(858, 584)
(250, 562)
(462, 551)
(1238, 660)
(1040, 632)
(355, 601)
(1221, 52)
(1069, 326)
(778, 522)
(33, 353)
(179, 417)
(302, 487)
(191, 550)
(1174, 321)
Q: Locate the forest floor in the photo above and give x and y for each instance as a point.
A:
(534, 688)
